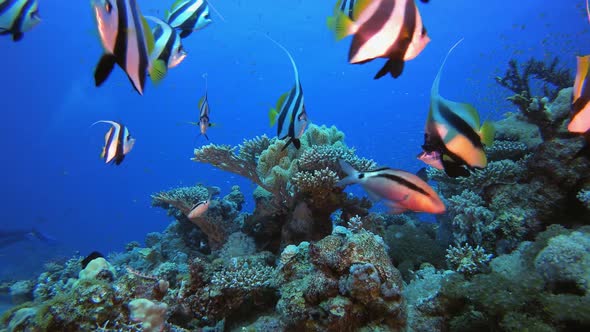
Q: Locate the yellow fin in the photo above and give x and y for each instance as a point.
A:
(201, 101)
(583, 64)
(343, 25)
(103, 152)
(487, 132)
(272, 116)
(331, 22)
(149, 37)
(281, 101)
(158, 71)
(359, 7)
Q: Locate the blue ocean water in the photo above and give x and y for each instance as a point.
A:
(53, 179)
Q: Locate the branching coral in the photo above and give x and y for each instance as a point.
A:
(519, 81)
(467, 259)
(534, 108)
(506, 150)
(242, 163)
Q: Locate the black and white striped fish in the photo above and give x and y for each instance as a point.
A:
(204, 121)
(117, 142)
(390, 29)
(344, 6)
(168, 50)
(188, 16)
(17, 17)
(127, 41)
(290, 109)
(454, 134)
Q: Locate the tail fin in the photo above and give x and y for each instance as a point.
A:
(486, 133)
(352, 174)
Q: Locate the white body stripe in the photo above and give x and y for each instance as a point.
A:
(378, 44)
(7, 19)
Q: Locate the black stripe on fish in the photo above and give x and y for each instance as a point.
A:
(462, 127)
(167, 49)
(403, 182)
(17, 25)
(120, 49)
(191, 21)
(5, 6)
(294, 113)
(371, 27)
(142, 51)
(399, 48)
(347, 8)
(379, 169)
(285, 109)
(119, 155)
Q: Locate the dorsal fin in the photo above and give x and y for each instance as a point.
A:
(288, 54)
(176, 5)
(436, 83)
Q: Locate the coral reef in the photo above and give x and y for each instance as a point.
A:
(536, 109)
(343, 282)
(297, 191)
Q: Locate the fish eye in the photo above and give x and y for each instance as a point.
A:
(108, 6)
(34, 14)
(207, 16)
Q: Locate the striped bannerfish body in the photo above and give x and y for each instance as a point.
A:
(118, 142)
(17, 17)
(204, 122)
(168, 50)
(126, 39)
(453, 130)
(390, 29)
(580, 119)
(401, 190)
(290, 109)
(188, 16)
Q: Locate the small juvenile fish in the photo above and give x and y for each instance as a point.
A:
(118, 142)
(390, 29)
(204, 121)
(401, 190)
(17, 17)
(290, 110)
(188, 16)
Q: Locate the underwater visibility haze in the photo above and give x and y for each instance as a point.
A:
(342, 165)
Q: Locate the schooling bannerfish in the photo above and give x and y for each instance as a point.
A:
(390, 29)
(17, 17)
(127, 40)
(453, 131)
(290, 109)
(188, 16)
(401, 190)
(118, 142)
(168, 51)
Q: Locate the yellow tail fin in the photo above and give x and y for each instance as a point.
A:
(158, 71)
(272, 116)
(343, 26)
(486, 133)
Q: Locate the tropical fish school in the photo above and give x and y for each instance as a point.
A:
(392, 30)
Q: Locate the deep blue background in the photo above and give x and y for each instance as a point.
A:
(52, 177)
